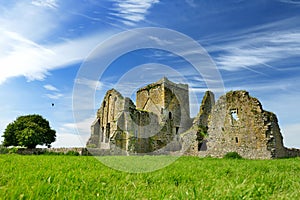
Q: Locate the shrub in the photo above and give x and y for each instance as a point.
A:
(233, 155)
(3, 150)
(13, 150)
(72, 153)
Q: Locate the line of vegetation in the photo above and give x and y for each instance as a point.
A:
(24, 151)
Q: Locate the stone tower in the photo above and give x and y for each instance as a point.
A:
(167, 100)
(161, 114)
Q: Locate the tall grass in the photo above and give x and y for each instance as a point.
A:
(71, 177)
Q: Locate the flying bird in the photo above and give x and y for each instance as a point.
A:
(52, 104)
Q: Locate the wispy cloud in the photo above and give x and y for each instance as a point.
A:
(50, 87)
(45, 3)
(24, 57)
(93, 84)
(54, 96)
(132, 11)
(191, 3)
(82, 127)
(23, 51)
(259, 48)
(294, 2)
(291, 135)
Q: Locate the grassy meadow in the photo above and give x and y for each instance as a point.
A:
(84, 177)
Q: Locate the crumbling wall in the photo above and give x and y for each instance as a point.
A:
(239, 124)
(105, 126)
(194, 139)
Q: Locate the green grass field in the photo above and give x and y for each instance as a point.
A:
(80, 177)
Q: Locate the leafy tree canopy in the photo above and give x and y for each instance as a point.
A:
(29, 131)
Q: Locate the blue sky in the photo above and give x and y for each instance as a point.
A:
(255, 46)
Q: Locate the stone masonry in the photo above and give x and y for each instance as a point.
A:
(156, 123)
(238, 123)
(160, 122)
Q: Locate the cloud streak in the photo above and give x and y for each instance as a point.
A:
(50, 88)
(45, 3)
(23, 57)
(259, 46)
(131, 11)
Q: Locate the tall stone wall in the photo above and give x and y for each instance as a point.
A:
(105, 126)
(239, 124)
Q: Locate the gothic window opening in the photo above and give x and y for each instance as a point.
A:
(177, 129)
(234, 114)
(107, 132)
(199, 146)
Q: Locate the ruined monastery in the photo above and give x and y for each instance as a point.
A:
(160, 123)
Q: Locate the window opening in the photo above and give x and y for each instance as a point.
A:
(236, 140)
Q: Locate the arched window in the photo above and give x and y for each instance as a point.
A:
(170, 115)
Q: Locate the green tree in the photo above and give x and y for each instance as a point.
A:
(29, 131)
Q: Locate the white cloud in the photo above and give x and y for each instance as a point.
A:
(259, 50)
(132, 11)
(50, 87)
(73, 134)
(291, 135)
(67, 140)
(24, 26)
(23, 57)
(27, 19)
(45, 3)
(191, 3)
(257, 46)
(54, 96)
(93, 84)
(295, 2)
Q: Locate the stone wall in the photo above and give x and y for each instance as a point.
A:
(193, 140)
(239, 124)
(160, 116)
(36, 151)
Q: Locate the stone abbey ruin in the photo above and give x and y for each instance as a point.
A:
(160, 123)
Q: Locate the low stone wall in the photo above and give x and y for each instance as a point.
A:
(292, 152)
(36, 151)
